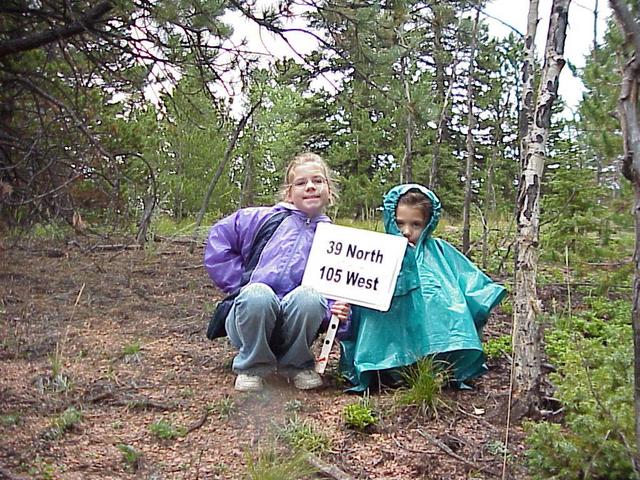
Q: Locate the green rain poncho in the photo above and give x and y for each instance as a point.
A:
(440, 304)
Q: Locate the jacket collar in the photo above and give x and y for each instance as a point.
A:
(294, 211)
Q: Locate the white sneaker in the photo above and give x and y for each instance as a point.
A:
(307, 379)
(248, 383)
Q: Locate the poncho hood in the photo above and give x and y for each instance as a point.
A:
(390, 204)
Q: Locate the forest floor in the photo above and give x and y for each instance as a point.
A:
(118, 339)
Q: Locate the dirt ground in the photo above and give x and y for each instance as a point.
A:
(119, 336)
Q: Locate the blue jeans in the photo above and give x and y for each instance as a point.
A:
(272, 333)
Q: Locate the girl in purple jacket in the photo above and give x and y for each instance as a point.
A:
(274, 320)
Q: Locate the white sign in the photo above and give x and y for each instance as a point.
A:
(357, 266)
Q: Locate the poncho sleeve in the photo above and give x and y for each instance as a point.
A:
(480, 292)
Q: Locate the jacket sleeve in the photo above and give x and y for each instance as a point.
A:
(480, 292)
(228, 245)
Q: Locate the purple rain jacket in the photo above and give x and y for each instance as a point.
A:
(283, 260)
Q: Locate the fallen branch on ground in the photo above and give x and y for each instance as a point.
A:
(198, 423)
(6, 474)
(131, 402)
(453, 454)
(114, 247)
(327, 469)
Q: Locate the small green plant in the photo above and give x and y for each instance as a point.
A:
(220, 469)
(69, 418)
(42, 469)
(293, 406)
(130, 456)
(223, 407)
(359, 415)
(424, 380)
(301, 435)
(131, 352)
(50, 231)
(507, 306)
(495, 348)
(9, 419)
(497, 448)
(269, 465)
(117, 424)
(166, 430)
(58, 382)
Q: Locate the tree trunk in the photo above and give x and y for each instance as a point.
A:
(407, 161)
(629, 117)
(471, 148)
(628, 112)
(528, 71)
(247, 194)
(218, 173)
(178, 192)
(595, 27)
(150, 201)
(443, 94)
(526, 330)
(145, 220)
(443, 125)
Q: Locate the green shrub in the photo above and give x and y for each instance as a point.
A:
(594, 357)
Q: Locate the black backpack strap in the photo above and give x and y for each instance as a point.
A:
(216, 323)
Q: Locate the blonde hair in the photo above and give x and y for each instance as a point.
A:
(302, 159)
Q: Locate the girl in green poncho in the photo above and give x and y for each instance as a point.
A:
(440, 304)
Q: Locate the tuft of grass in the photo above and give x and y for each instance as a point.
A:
(270, 465)
(63, 423)
(9, 419)
(495, 348)
(359, 415)
(166, 430)
(301, 435)
(224, 407)
(130, 456)
(424, 380)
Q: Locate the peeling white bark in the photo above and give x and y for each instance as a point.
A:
(527, 338)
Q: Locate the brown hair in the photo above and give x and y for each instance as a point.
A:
(305, 158)
(415, 198)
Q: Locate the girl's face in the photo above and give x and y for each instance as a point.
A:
(411, 222)
(308, 189)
